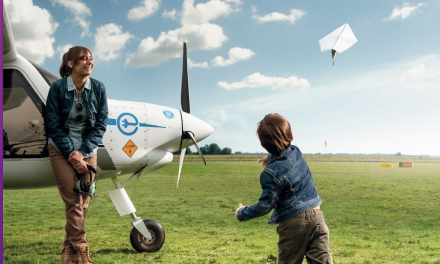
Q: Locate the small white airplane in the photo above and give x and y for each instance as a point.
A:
(140, 137)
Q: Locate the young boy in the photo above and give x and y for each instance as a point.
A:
(288, 188)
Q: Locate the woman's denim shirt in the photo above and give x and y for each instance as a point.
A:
(288, 188)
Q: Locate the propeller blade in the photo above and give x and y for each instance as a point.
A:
(333, 56)
(182, 156)
(184, 96)
(190, 135)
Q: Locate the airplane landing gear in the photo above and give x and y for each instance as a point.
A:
(152, 244)
(146, 235)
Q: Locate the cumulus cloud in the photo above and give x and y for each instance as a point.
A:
(169, 14)
(236, 54)
(109, 40)
(146, 9)
(34, 43)
(204, 12)
(80, 13)
(414, 73)
(63, 49)
(257, 80)
(192, 64)
(401, 13)
(294, 15)
(196, 31)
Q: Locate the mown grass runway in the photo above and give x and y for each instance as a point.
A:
(375, 215)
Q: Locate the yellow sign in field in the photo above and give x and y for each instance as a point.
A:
(386, 165)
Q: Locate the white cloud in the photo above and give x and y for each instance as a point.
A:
(236, 54)
(257, 80)
(192, 64)
(404, 12)
(196, 31)
(63, 49)
(294, 15)
(414, 73)
(204, 12)
(34, 43)
(109, 40)
(146, 9)
(169, 14)
(79, 11)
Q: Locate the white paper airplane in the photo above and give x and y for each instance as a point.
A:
(338, 41)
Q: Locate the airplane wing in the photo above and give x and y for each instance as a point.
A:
(9, 48)
(338, 41)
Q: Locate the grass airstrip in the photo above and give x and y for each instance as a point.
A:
(375, 214)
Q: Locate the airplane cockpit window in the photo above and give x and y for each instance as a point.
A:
(23, 122)
(48, 76)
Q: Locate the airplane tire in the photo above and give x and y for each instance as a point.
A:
(140, 244)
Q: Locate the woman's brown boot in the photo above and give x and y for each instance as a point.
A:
(82, 256)
(67, 255)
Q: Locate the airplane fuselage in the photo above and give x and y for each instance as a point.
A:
(139, 136)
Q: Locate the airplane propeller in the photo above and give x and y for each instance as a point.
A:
(185, 103)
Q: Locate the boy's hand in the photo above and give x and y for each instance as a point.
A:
(265, 160)
(240, 205)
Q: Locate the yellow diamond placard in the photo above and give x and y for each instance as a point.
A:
(130, 148)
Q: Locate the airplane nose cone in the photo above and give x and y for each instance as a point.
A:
(199, 128)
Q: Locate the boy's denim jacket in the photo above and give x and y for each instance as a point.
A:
(288, 188)
(59, 104)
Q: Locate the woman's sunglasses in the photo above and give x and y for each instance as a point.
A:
(79, 115)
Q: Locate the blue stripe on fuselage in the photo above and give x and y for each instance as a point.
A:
(112, 122)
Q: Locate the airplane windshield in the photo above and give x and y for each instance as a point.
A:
(48, 76)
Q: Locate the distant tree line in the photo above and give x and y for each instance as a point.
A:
(214, 149)
(211, 149)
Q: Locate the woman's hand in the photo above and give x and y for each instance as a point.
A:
(81, 167)
(265, 161)
(75, 157)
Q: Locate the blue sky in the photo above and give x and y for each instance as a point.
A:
(250, 58)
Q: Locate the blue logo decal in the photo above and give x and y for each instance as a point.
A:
(129, 125)
(168, 114)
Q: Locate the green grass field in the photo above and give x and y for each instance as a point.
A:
(375, 215)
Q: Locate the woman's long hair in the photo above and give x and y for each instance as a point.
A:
(71, 55)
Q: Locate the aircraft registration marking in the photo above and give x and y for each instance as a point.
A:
(130, 148)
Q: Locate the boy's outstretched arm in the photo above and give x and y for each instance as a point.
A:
(265, 161)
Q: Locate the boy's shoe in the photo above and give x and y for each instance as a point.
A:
(82, 255)
(68, 255)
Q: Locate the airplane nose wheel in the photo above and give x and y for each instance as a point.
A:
(141, 244)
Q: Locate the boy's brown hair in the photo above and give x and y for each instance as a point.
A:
(274, 133)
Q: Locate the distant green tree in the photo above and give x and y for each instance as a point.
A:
(226, 151)
(205, 149)
(214, 149)
(238, 152)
